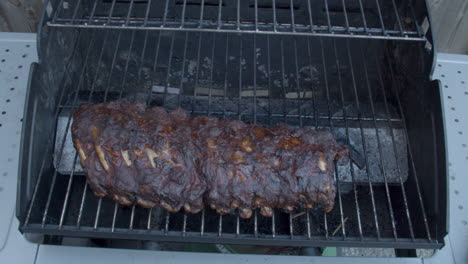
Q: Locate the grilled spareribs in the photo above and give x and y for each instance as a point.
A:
(152, 157)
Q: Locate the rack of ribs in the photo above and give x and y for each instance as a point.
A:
(152, 157)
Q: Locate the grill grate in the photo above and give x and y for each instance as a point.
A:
(351, 18)
(260, 79)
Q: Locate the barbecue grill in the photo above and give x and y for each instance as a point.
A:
(360, 68)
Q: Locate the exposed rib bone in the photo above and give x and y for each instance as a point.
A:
(151, 156)
(126, 157)
(80, 150)
(322, 164)
(102, 158)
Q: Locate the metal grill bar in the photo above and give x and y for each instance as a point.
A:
(78, 222)
(75, 12)
(201, 13)
(311, 21)
(220, 226)
(380, 17)
(96, 221)
(122, 85)
(298, 84)
(400, 26)
(291, 230)
(270, 122)
(291, 7)
(296, 116)
(327, 11)
(275, 22)
(337, 117)
(359, 113)
(256, 15)
(130, 226)
(238, 15)
(273, 225)
(415, 22)
(166, 227)
(343, 227)
(363, 15)
(182, 75)
(80, 212)
(129, 13)
(395, 88)
(240, 82)
(245, 27)
(114, 59)
(327, 91)
(314, 105)
(166, 10)
(300, 30)
(246, 23)
(98, 212)
(382, 170)
(62, 146)
(148, 223)
(147, 12)
(124, 79)
(111, 11)
(255, 86)
(65, 202)
(143, 53)
(202, 225)
(356, 203)
(283, 89)
(57, 10)
(150, 88)
(220, 11)
(184, 225)
(255, 223)
(394, 148)
(345, 13)
(232, 238)
(225, 84)
(166, 84)
(93, 85)
(210, 85)
(114, 217)
(198, 66)
(325, 224)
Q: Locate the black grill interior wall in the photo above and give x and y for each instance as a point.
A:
(421, 106)
(227, 66)
(48, 80)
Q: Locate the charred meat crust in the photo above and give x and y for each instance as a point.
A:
(152, 157)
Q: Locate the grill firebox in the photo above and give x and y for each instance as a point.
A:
(374, 94)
